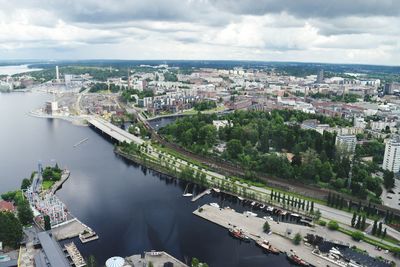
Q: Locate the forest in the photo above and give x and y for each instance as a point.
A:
(274, 144)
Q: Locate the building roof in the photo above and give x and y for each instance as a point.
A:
(54, 255)
(6, 206)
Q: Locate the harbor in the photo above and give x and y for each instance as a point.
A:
(281, 235)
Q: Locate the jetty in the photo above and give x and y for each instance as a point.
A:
(205, 192)
(75, 255)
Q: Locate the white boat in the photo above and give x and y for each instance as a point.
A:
(215, 205)
(270, 209)
(249, 213)
(253, 203)
(240, 198)
(216, 190)
(268, 218)
(185, 193)
(262, 206)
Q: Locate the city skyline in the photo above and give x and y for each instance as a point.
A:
(362, 32)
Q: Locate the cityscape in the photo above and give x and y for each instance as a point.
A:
(213, 149)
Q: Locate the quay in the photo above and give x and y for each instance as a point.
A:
(75, 255)
(157, 258)
(205, 192)
(282, 233)
(71, 229)
(57, 185)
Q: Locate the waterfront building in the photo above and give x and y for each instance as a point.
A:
(391, 159)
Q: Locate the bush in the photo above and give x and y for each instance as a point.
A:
(322, 223)
(266, 227)
(357, 235)
(333, 225)
(297, 239)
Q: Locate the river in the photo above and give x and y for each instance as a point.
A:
(15, 69)
(131, 208)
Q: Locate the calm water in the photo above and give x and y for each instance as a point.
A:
(11, 70)
(131, 208)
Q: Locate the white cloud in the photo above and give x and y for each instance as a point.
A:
(200, 29)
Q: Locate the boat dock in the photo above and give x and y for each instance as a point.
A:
(71, 229)
(75, 255)
(253, 228)
(206, 192)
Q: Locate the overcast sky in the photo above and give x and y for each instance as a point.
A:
(337, 31)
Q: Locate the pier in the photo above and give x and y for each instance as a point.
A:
(71, 229)
(283, 233)
(206, 192)
(75, 255)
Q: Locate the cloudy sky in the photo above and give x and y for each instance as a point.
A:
(338, 31)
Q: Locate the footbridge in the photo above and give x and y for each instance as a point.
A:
(113, 131)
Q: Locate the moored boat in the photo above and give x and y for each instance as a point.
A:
(239, 234)
(292, 257)
(267, 247)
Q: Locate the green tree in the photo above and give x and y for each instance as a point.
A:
(374, 227)
(266, 227)
(384, 233)
(379, 231)
(25, 184)
(297, 239)
(353, 220)
(234, 148)
(388, 179)
(47, 224)
(10, 229)
(357, 235)
(25, 214)
(333, 225)
(363, 222)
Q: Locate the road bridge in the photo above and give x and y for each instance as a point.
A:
(113, 131)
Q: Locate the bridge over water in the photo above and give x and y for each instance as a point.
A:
(113, 131)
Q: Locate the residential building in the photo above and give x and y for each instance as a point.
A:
(391, 159)
(346, 142)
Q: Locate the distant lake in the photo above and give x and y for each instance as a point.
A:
(15, 69)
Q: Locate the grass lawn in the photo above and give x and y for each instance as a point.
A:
(47, 185)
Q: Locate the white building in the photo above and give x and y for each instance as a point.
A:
(347, 142)
(391, 159)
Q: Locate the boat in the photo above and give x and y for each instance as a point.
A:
(238, 234)
(267, 247)
(240, 198)
(253, 203)
(215, 205)
(185, 193)
(262, 206)
(292, 257)
(216, 190)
